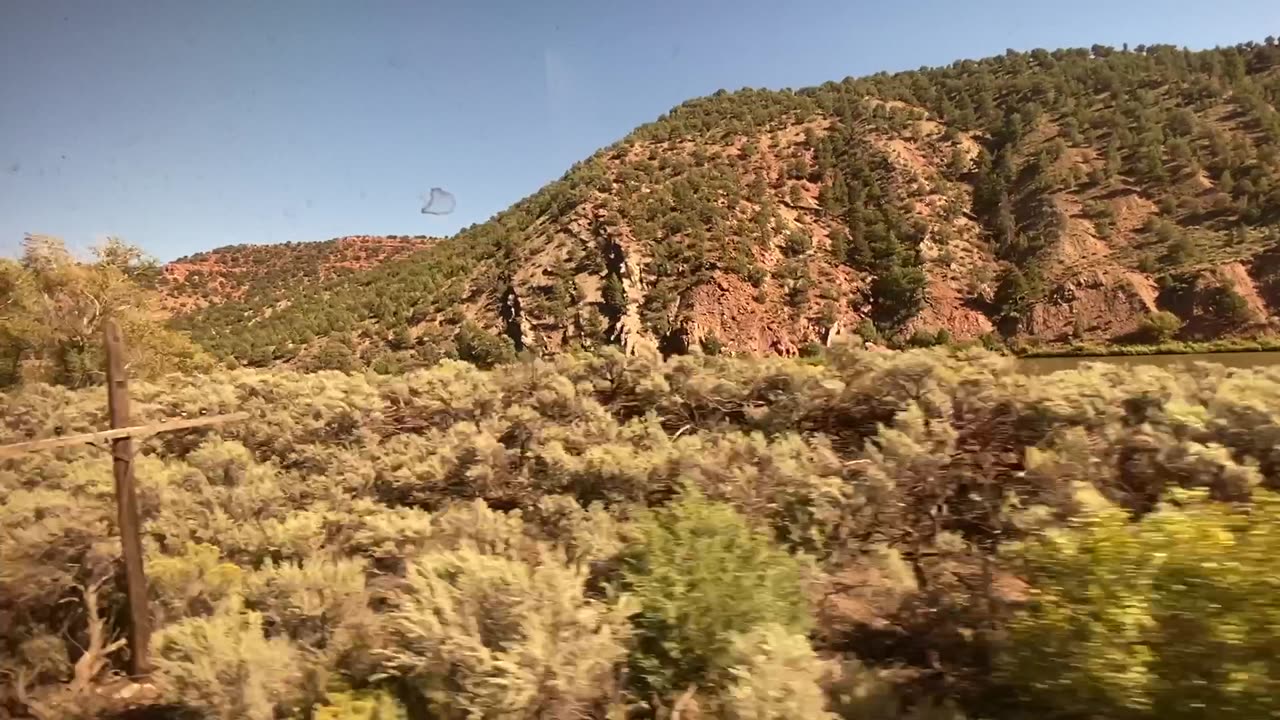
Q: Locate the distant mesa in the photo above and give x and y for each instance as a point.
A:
(244, 272)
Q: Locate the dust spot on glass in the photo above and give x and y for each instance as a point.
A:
(437, 202)
(15, 167)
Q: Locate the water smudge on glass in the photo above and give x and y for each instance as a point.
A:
(437, 202)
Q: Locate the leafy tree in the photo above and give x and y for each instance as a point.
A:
(840, 244)
(899, 294)
(52, 310)
(614, 295)
(834, 198)
(482, 348)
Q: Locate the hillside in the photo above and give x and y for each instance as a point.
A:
(264, 272)
(1090, 194)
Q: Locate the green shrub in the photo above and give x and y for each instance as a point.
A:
(331, 355)
(1161, 326)
(775, 675)
(494, 624)
(482, 348)
(1182, 247)
(225, 666)
(923, 338)
(1230, 305)
(334, 512)
(699, 575)
(341, 703)
(798, 243)
(711, 344)
(812, 349)
(868, 331)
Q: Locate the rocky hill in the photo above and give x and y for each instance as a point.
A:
(262, 272)
(1102, 194)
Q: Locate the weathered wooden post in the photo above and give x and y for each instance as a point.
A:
(127, 503)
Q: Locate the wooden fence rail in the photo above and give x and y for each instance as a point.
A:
(135, 431)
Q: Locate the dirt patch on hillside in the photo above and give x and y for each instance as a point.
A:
(1206, 310)
(728, 309)
(1235, 276)
(947, 308)
(1098, 304)
(1132, 212)
(1078, 248)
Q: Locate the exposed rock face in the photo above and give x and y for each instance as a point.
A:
(1096, 303)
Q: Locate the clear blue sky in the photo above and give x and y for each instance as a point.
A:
(183, 125)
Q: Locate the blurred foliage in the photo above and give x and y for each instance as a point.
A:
(1175, 616)
(347, 704)
(498, 626)
(602, 534)
(225, 666)
(775, 675)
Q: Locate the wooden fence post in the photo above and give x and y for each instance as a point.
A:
(127, 504)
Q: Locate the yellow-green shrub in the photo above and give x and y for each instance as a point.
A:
(1174, 616)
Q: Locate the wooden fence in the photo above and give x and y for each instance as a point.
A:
(121, 436)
